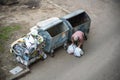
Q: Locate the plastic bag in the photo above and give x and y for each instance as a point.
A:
(34, 31)
(78, 52)
(44, 56)
(71, 49)
(19, 59)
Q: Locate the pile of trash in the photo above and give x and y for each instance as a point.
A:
(29, 48)
(76, 51)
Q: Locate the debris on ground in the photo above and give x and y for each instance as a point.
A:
(16, 70)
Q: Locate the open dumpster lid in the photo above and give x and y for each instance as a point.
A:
(48, 23)
(73, 14)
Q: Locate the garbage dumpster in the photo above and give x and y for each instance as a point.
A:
(54, 32)
(28, 49)
(78, 20)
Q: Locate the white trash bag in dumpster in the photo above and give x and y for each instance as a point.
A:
(28, 48)
(78, 52)
(71, 49)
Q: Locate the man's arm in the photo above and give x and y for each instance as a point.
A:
(72, 40)
(79, 44)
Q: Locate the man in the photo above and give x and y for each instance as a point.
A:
(78, 38)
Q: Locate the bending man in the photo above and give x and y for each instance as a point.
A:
(78, 38)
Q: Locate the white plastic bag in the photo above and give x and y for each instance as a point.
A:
(44, 56)
(78, 52)
(19, 59)
(71, 49)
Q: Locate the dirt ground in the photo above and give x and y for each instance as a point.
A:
(102, 53)
(26, 15)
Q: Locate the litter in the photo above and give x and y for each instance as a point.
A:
(16, 70)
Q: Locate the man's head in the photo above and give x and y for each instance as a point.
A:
(75, 38)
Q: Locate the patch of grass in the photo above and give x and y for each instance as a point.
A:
(5, 34)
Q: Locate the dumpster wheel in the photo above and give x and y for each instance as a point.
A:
(52, 53)
(65, 46)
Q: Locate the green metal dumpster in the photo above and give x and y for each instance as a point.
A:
(77, 20)
(54, 32)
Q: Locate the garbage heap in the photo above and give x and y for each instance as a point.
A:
(28, 49)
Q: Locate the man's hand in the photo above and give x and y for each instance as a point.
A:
(72, 41)
(79, 45)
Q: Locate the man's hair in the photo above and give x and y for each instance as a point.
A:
(75, 38)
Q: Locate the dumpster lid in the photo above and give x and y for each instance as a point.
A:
(73, 14)
(48, 23)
